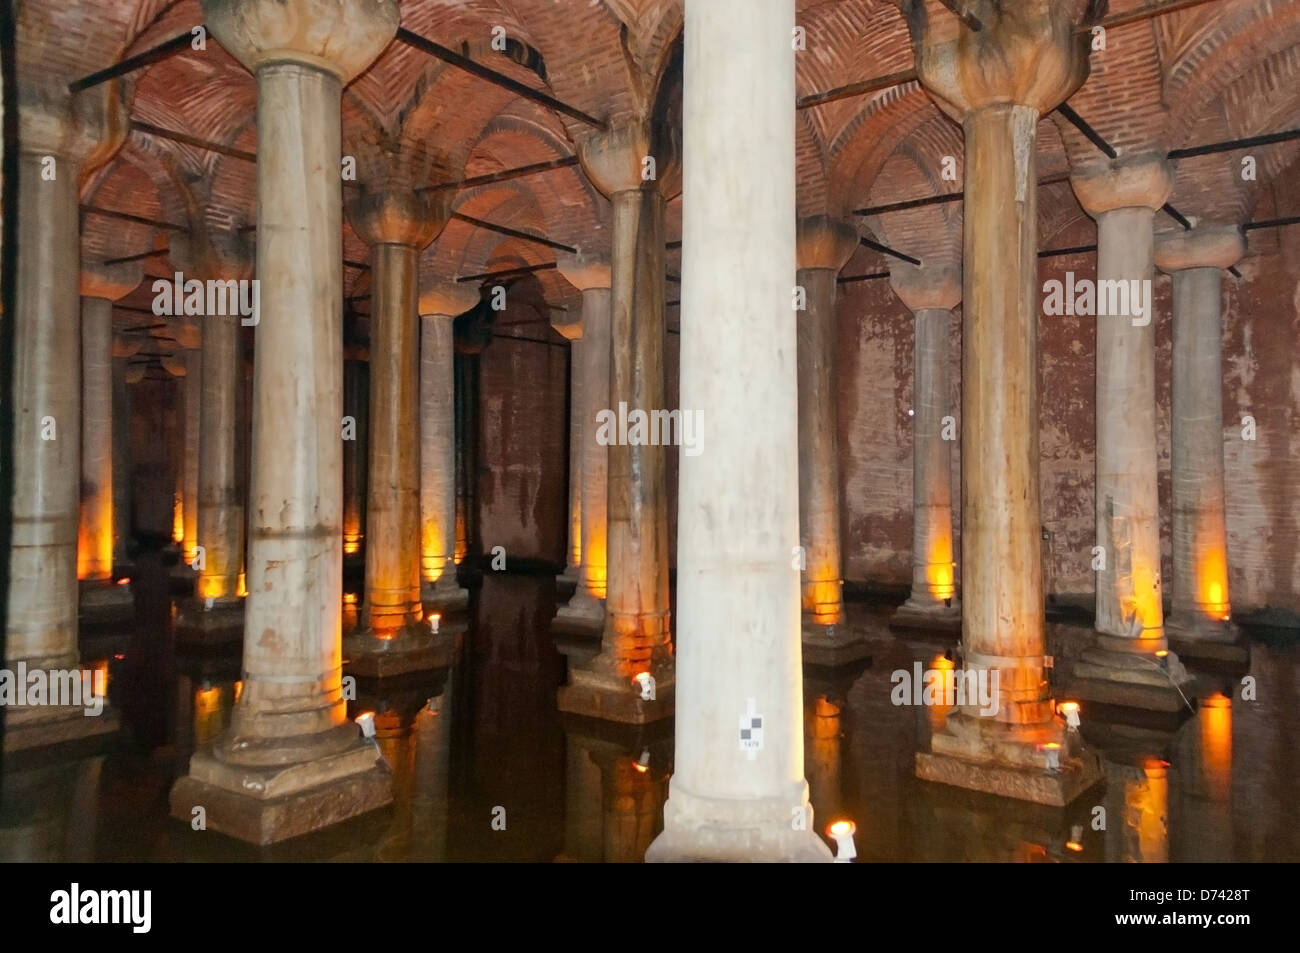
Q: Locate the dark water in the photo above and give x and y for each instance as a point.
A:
(483, 742)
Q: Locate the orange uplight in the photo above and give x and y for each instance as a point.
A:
(100, 679)
(1050, 746)
(239, 690)
(939, 566)
(1068, 707)
(1217, 700)
(124, 581)
(841, 828)
(1073, 845)
(207, 700)
(349, 598)
(641, 768)
(178, 519)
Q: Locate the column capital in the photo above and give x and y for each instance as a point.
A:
(127, 347)
(340, 37)
(824, 242)
(386, 215)
(1205, 246)
(109, 281)
(614, 159)
(208, 253)
(584, 271)
(447, 299)
(929, 286)
(1025, 54)
(568, 327)
(1140, 182)
(85, 128)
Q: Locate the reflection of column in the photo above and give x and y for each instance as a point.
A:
(583, 810)
(60, 137)
(822, 756)
(998, 82)
(1137, 812)
(636, 634)
(822, 246)
(930, 292)
(291, 763)
(100, 287)
(734, 796)
(430, 806)
(1123, 667)
(633, 786)
(356, 384)
(396, 221)
(439, 306)
(1203, 829)
(592, 277)
(1196, 260)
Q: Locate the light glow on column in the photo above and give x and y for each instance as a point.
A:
(1212, 584)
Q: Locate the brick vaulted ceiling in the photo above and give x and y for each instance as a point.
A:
(1217, 70)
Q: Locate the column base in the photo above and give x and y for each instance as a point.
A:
(49, 726)
(1130, 680)
(928, 616)
(219, 624)
(830, 646)
(593, 694)
(103, 600)
(443, 598)
(979, 754)
(415, 648)
(757, 830)
(567, 582)
(268, 805)
(1194, 635)
(182, 578)
(583, 615)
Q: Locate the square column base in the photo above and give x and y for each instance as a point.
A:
(104, 601)
(830, 646)
(416, 649)
(1196, 637)
(566, 583)
(1129, 680)
(57, 726)
(1037, 785)
(583, 615)
(443, 599)
(719, 845)
(223, 624)
(591, 695)
(928, 617)
(346, 785)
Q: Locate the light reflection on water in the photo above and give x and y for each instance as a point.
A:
(483, 742)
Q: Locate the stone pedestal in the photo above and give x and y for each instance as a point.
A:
(636, 636)
(291, 762)
(931, 291)
(584, 614)
(738, 791)
(1199, 623)
(998, 81)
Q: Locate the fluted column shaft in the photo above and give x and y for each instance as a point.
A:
(95, 544)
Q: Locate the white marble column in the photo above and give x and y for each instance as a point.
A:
(1201, 607)
(290, 761)
(733, 797)
(1123, 667)
(440, 304)
(591, 276)
(931, 291)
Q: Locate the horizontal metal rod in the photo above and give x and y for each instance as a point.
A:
(1073, 250)
(1142, 13)
(150, 129)
(160, 52)
(517, 337)
(847, 279)
(1091, 134)
(141, 328)
(942, 199)
(1232, 144)
(128, 217)
(140, 257)
(504, 175)
(671, 245)
(512, 232)
(510, 272)
(886, 250)
(857, 89)
(1272, 223)
(425, 45)
(961, 13)
(1176, 215)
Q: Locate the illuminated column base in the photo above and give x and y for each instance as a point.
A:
(998, 84)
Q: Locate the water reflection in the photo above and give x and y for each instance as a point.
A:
(486, 769)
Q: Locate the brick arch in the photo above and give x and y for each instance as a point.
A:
(865, 145)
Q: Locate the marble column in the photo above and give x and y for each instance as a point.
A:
(931, 291)
(822, 247)
(290, 762)
(440, 304)
(101, 599)
(219, 502)
(1201, 609)
(123, 351)
(738, 791)
(997, 82)
(186, 365)
(356, 388)
(397, 222)
(571, 331)
(591, 276)
(61, 137)
(1123, 667)
(636, 637)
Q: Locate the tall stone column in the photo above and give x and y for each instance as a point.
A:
(217, 610)
(571, 331)
(636, 635)
(186, 364)
(590, 275)
(738, 791)
(123, 351)
(1199, 616)
(1123, 668)
(440, 304)
(397, 222)
(101, 599)
(823, 246)
(931, 291)
(290, 761)
(60, 138)
(998, 81)
(356, 387)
